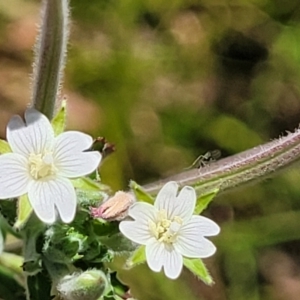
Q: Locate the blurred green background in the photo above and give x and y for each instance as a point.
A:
(166, 81)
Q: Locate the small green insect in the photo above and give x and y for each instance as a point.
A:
(205, 159)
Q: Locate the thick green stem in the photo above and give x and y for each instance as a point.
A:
(50, 53)
(238, 169)
(32, 260)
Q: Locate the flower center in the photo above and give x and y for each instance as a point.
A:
(164, 229)
(41, 165)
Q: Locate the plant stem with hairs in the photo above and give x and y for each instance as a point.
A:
(50, 55)
(233, 171)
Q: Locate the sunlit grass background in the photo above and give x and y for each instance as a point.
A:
(166, 81)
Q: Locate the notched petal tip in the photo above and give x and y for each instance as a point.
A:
(33, 137)
(170, 187)
(173, 264)
(15, 123)
(47, 220)
(142, 211)
(69, 217)
(34, 117)
(166, 195)
(188, 192)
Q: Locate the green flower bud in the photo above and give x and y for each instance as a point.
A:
(88, 285)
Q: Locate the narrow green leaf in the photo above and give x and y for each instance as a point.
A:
(138, 257)
(197, 267)
(24, 212)
(85, 183)
(204, 200)
(59, 121)
(12, 262)
(4, 147)
(140, 194)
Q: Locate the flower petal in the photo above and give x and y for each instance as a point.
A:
(154, 255)
(190, 241)
(72, 141)
(142, 211)
(69, 158)
(79, 164)
(14, 176)
(138, 230)
(190, 247)
(65, 199)
(201, 225)
(160, 255)
(166, 196)
(173, 264)
(135, 232)
(184, 204)
(44, 195)
(34, 137)
(42, 201)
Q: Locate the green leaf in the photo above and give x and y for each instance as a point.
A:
(59, 121)
(197, 267)
(139, 193)
(204, 200)
(12, 262)
(24, 211)
(85, 183)
(138, 257)
(4, 147)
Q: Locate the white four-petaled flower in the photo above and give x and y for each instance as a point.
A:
(169, 230)
(41, 164)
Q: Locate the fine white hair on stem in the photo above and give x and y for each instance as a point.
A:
(238, 169)
(50, 55)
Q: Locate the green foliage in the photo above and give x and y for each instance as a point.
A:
(140, 194)
(173, 80)
(23, 212)
(137, 257)
(204, 200)
(197, 267)
(4, 147)
(59, 121)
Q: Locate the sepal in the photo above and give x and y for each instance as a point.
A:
(4, 147)
(198, 268)
(140, 193)
(204, 200)
(59, 121)
(24, 211)
(138, 257)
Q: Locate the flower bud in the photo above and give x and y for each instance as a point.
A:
(115, 208)
(88, 285)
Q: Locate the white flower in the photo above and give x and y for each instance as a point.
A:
(169, 230)
(40, 165)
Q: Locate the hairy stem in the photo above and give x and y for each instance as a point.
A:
(238, 169)
(50, 52)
